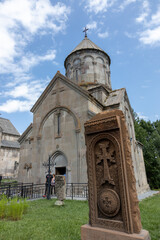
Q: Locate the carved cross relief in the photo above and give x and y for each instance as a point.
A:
(57, 93)
(106, 154)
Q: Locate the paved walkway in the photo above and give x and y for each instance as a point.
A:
(147, 194)
(140, 196)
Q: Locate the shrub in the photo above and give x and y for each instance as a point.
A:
(3, 206)
(13, 209)
(25, 206)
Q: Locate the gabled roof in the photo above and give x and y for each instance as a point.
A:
(25, 133)
(98, 86)
(7, 127)
(10, 144)
(86, 44)
(115, 97)
(73, 85)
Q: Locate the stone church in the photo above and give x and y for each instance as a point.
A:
(61, 111)
(9, 149)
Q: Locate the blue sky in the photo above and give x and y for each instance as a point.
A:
(37, 35)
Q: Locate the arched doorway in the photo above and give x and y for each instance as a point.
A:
(60, 164)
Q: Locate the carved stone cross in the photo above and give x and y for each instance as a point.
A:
(105, 156)
(57, 92)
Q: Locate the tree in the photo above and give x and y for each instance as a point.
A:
(149, 135)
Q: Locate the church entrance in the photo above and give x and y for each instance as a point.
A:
(60, 164)
(60, 170)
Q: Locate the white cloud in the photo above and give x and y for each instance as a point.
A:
(21, 20)
(98, 6)
(125, 3)
(20, 70)
(92, 25)
(27, 91)
(15, 105)
(31, 60)
(156, 116)
(103, 35)
(142, 116)
(28, 61)
(144, 12)
(22, 97)
(150, 35)
(155, 19)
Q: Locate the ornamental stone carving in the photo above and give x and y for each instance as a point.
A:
(113, 202)
(109, 202)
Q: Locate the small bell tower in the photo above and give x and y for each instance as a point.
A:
(88, 65)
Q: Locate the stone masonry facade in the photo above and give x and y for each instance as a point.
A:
(60, 113)
(9, 149)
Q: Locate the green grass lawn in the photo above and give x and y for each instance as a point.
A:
(44, 221)
(150, 216)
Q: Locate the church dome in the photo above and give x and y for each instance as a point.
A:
(88, 64)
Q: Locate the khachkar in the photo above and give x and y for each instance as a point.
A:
(113, 203)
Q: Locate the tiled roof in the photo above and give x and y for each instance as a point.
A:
(7, 127)
(9, 144)
(115, 97)
(86, 43)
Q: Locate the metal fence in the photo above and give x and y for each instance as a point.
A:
(33, 191)
(26, 190)
(77, 190)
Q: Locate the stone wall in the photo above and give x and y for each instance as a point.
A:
(88, 66)
(25, 162)
(68, 144)
(9, 158)
(136, 149)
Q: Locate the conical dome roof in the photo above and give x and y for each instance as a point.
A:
(86, 43)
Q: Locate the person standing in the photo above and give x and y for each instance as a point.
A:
(53, 185)
(49, 177)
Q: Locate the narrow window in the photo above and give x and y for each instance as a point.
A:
(77, 75)
(58, 124)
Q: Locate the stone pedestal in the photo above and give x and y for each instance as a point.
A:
(95, 233)
(60, 189)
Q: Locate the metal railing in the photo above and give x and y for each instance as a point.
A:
(24, 190)
(33, 191)
(77, 190)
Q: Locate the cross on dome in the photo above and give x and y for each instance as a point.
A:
(85, 30)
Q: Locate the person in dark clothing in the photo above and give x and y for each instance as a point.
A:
(49, 177)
